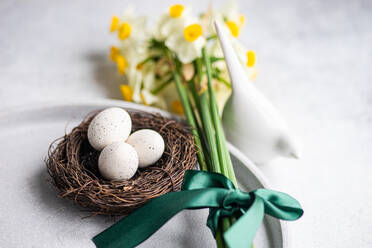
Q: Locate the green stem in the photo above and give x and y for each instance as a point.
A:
(147, 60)
(215, 59)
(219, 239)
(212, 37)
(224, 156)
(190, 118)
(194, 93)
(206, 119)
(202, 137)
(209, 132)
(222, 80)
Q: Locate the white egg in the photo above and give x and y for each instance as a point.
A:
(118, 161)
(110, 125)
(149, 146)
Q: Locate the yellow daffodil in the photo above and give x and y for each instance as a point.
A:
(114, 52)
(124, 30)
(121, 63)
(234, 28)
(247, 58)
(251, 58)
(234, 20)
(171, 21)
(175, 11)
(141, 82)
(114, 24)
(131, 30)
(229, 14)
(127, 92)
(188, 41)
(133, 36)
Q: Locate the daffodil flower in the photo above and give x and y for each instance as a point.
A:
(229, 14)
(141, 82)
(247, 58)
(124, 58)
(132, 33)
(114, 24)
(151, 99)
(171, 21)
(234, 20)
(127, 92)
(133, 36)
(114, 52)
(129, 27)
(121, 63)
(187, 42)
(149, 80)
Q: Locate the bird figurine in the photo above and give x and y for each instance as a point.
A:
(250, 121)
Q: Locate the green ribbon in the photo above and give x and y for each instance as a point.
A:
(202, 189)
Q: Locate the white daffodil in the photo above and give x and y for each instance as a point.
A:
(135, 82)
(229, 14)
(140, 83)
(129, 28)
(171, 21)
(132, 33)
(187, 41)
(233, 19)
(133, 36)
(127, 58)
(152, 99)
(207, 21)
(247, 58)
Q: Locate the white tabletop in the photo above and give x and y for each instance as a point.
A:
(314, 60)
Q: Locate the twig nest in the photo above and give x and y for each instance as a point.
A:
(149, 146)
(73, 165)
(118, 161)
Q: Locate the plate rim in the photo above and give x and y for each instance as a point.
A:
(8, 111)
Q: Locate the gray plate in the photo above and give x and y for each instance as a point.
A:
(31, 214)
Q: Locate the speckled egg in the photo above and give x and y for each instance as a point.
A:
(118, 161)
(149, 146)
(110, 125)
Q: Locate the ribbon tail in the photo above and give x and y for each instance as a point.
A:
(141, 224)
(242, 233)
(280, 205)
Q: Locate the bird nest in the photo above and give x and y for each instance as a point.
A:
(73, 165)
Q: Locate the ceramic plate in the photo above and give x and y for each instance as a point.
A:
(31, 214)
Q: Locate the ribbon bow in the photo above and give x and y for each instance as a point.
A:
(203, 190)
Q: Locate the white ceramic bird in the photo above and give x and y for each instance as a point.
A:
(250, 121)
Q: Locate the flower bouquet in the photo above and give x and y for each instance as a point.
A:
(144, 55)
(179, 65)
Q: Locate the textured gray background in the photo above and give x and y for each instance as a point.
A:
(314, 61)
